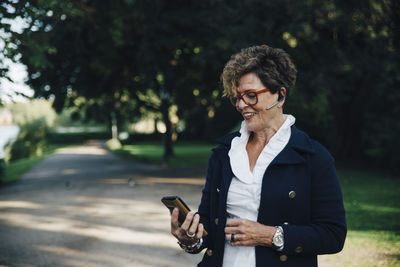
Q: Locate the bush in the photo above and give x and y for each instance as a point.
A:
(113, 144)
(34, 119)
(2, 167)
(37, 109)
(31, 141)
(73, 138)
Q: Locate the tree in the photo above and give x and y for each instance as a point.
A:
(131, 56)
(106, 57)
(351, 59)
(81, 54)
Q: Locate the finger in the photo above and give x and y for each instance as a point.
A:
(188, 221)
(242, 243)
(231, 230)
(236, 243)
(233, 222)
(195, 222)
(174, 218)
(239, 240)
(228, 237)
(238, 237)
(200, 231)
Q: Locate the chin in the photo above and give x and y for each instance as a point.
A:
(251, 126)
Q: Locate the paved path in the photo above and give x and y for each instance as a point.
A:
(87, 207)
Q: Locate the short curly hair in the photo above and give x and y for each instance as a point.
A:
(272, 66)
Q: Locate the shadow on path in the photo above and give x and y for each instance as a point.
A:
(85, 206)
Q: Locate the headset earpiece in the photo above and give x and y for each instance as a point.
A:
(280, 97)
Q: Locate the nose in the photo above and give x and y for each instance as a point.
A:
(240, 104)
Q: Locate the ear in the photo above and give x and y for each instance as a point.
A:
(282, 94)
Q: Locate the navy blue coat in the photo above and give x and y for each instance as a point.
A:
(312, 217)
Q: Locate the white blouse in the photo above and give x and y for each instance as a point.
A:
(245, 190)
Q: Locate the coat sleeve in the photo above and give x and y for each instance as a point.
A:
(204, 208)
(327, 231)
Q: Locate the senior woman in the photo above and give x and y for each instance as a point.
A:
(272, 196)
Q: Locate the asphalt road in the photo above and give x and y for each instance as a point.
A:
(87, 207)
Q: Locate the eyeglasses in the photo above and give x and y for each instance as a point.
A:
(248, 97)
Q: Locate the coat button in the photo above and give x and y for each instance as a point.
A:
(292, 194)
(285, 223)
(298, 249)
(218, 190)
(283, 258)
(209, 252)
(216, 221)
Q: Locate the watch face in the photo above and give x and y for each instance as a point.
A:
(278, 240)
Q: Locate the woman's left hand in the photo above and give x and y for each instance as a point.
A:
(249, 233)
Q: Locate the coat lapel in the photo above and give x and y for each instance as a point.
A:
(227, 175)
(299, 143)
(226, 170)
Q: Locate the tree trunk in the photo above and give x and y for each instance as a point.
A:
(114, 127)
(168, 150)
(349, 118)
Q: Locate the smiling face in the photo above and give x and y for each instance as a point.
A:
(257, 118)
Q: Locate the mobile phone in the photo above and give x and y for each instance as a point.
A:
(172, 202)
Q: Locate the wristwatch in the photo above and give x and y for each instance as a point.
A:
(277, 240)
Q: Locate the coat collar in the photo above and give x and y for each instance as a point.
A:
(299, 144)
(227, 139)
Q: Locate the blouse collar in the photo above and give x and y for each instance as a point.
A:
(238, 155)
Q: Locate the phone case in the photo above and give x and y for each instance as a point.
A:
(174, 201)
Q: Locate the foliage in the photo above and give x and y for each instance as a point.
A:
(36, 109)
(74, 117)
(113, 144)
(34, 119)
(108, 57)
(352, 60)
(2, 168)
(77, 137)
(31, 141)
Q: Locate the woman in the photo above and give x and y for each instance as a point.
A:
(272, 197)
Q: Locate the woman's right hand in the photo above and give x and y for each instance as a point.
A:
(190, 226)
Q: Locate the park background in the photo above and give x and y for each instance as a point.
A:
(144, 75)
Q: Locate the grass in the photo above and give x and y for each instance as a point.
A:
(372, 208)
(185, 154)
(15, 169)
(371, 201)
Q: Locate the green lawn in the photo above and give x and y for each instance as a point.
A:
(371, 200)
(373, 218)
(186, 154)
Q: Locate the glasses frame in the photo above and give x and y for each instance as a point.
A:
(240, 97)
